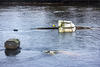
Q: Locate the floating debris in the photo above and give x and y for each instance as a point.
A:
(15, 30)
(45, 28)
(53, 52)
(77, 28)
(66, 26)
(80, 27)
(50, 52)
(53, 25)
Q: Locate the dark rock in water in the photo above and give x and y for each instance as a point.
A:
(15, 30)
(9, 52)
(12, 44)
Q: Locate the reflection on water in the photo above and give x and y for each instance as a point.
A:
(33, 42)
(66, 35)
(14, 52)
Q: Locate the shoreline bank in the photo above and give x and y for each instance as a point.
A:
(50, 3)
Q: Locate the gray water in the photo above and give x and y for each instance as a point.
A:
(79, 49)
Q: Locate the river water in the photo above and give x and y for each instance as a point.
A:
(78, 49)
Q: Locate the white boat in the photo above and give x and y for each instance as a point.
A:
(66, 26)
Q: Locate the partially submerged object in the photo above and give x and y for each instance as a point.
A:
(53, 52)
(12, 43)
(15, 30)
(50, 52)
(77, 28)
(80, 27)
(66, 26)
(45, 28)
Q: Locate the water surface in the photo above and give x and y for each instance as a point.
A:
(81, 48)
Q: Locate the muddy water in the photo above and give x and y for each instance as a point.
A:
(78, 49)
